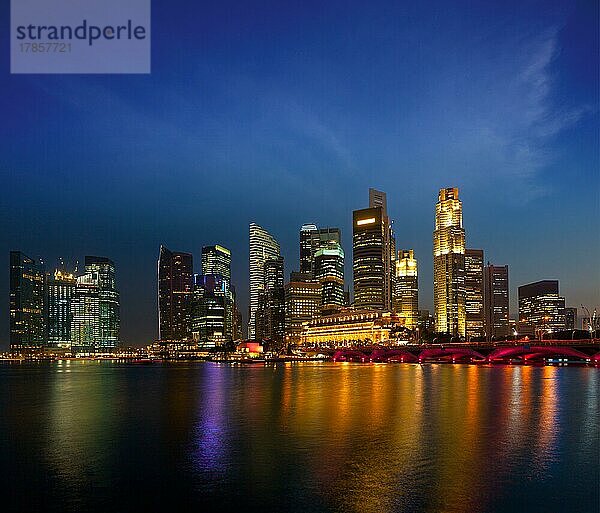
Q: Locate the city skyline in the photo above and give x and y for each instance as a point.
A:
(282, 126)
(267, 270)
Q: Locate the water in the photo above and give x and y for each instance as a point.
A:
(101, 436)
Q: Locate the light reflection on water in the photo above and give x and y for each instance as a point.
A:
(299, 437)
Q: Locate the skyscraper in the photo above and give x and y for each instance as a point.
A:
(175, 284)
(60, 288)
(311, 240)
(378, 199)
(496, 304)
(212, 311)
(217, 260)
(27, 302)
(449, 264)
(109, 314)
(474, 308)
(85, 314)
(541, 309)
(372, 258)
(309, 237)
(329, 271)
(407, 288)
(270, 322)
(263, 247)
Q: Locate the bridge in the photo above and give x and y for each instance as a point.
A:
(506, 352)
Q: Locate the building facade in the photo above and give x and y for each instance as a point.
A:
(27, 306)
(303, 298)
(270, 317)
(311, 240)
(449, 292)
(85, 314)
(60, 289)
(406, 298)
(541, 309)
(496, 301)
(263, 247)
(175, 288)
(570, 318)
(351, 328)
(474, 293)
(217, 260)
(212, 311)
(95, 308)
(329, 271)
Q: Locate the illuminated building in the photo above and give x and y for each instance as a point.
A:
(351, 328)
(302, 303)
(541, 309)
(474, 308)
(85, 314)
(217, 260)
(60, 288)
(270, 314)
(449, 264)
(309, 236)
(263, 247)
(238, 323)
(373, 247)
(27, 291)
(311, 240)
(329, 270)
(175, 284)
(95, 310)
(212, 311)
(496, 301)
(570, 318)
(406, 298)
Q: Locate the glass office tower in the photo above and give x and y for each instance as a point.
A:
(26, 302)
(449, 292)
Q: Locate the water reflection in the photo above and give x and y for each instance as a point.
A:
(304, 437)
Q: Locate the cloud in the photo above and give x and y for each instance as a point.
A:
(528, 119)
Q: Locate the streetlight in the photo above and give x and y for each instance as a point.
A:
(591, 321)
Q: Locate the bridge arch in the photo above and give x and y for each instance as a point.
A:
(451, 353)
(530, 353)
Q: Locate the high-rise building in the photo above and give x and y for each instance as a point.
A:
(368, 259)
(541, 309)
(474, 308)
(103, 270)
(27, 302)
(217, 260)
(373, 244)
(496, 304)
(309, 235)
(175, 287)
(263, 247)
(270, 321)
(212, 311)
(406, 298)
(311, 240)
(449, 264)
(85, 314)
(570, 318)
(60, 288)
(302, 303)
(329, 271)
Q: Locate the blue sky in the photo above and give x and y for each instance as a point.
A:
(286, 114)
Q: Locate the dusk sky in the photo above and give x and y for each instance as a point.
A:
(284, 113)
